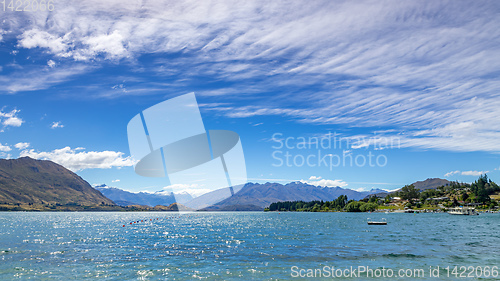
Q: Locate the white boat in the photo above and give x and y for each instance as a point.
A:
(382, 222)
(464, 211)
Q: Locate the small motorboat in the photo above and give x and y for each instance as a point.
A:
(381, 222)
(464, 211)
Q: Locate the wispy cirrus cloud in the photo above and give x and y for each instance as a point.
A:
(39, 77)
(425, 69)
(349, 40)
(457, 123)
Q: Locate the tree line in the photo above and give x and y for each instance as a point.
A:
(451, 195)
(339, 204)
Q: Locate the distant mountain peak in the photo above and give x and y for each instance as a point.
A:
(430, 183)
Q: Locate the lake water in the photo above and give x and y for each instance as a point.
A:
(246, 245)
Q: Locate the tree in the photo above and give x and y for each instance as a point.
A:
(479, 188)
(465, 196)
(409, 192)
(410, 204)
(354, 206)
(368, 207)
(316, 207)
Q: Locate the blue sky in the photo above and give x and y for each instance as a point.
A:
(421, 73)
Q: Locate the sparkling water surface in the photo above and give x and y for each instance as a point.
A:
(237, 245)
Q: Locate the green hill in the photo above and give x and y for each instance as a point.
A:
(45, 184)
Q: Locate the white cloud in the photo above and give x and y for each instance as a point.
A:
(318, 181)
(5, 148)
(5, 155)
(449, 174)
(22, 145)
(466, 173)
(56, 125)
(13, 121)
(34, 38)
(110, 44)
(77, 161)
(117, 180)
(10, 118)
(51, 63)
(474, 173)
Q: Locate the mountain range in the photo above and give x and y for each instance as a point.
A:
(30, 182)
(126, 198)
(254, 196)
